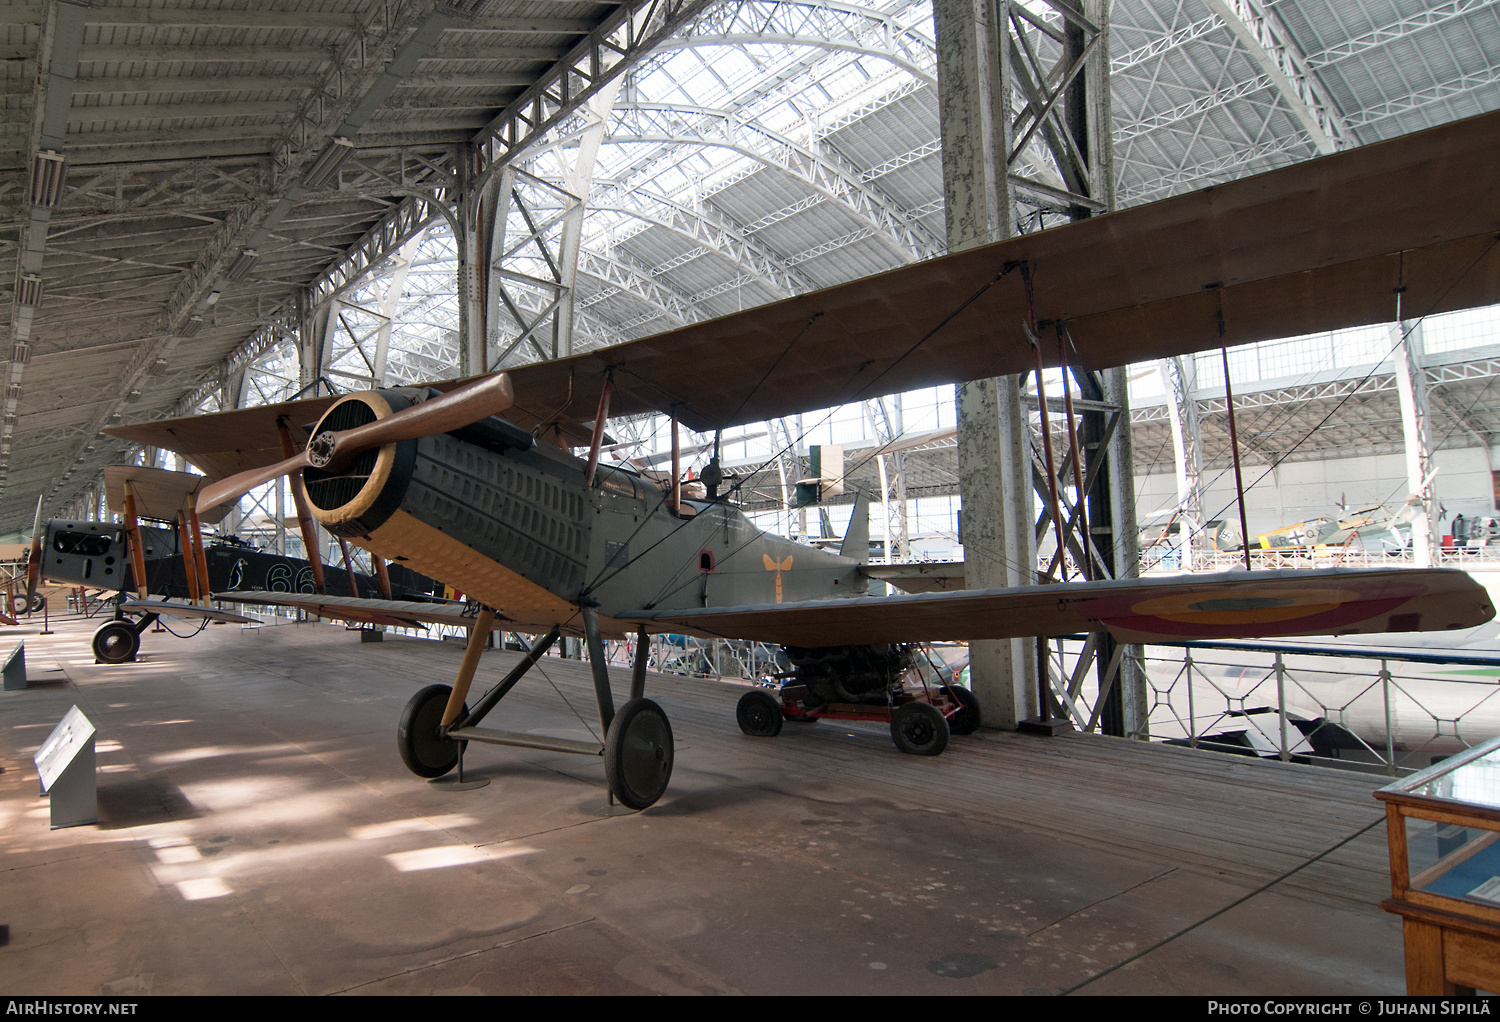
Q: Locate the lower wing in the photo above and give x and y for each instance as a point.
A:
(398, 613)
(1234, 605)
(185, 611)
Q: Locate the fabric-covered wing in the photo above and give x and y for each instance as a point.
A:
(1235, 605)
(1311, 247)
(226, 442)
(185, 611)
(400, 613)
(359, 610)
(159, 493)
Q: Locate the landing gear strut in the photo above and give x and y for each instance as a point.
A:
(638, 746)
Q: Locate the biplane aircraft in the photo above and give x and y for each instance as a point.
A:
(170, 572)
(472, 482)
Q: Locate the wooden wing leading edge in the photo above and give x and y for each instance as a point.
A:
(397, 613)
(1234, 605)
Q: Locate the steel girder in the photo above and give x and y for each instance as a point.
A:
(1353, 415)
(1208, 172)
(636, 29)
(707, 229)
(820, 169)
(1260, 31)
(1400, 28)
(356, 80)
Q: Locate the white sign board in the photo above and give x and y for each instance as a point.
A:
(62, 746)
(65, 764)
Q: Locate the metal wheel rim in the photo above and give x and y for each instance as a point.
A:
(112, 643)
(758, 715)
(918, 730)
(643, 756)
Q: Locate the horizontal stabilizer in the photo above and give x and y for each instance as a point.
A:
(919, 577)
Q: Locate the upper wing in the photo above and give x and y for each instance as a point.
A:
(227, 442)
(1311, 247)
(1315, 246)
(159, 493)
(1236, 605)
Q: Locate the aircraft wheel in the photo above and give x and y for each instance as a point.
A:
(966, 720)
(115, 642)
(919, 728)
(759, 714)
(638, 754)
(425, 752)
(35, 604)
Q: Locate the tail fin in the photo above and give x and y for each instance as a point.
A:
(857, 540)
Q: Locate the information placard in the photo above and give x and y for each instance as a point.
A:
(14, 669)
(65, 764)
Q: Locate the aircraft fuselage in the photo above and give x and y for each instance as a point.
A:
(94, 554)
(511, 523)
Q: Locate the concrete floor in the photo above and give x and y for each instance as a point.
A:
(259, 835)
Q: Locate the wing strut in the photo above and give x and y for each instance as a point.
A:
(1234, 450)
(200, 559)
(349, 566)
(189, 562)
(676, 466)
(133, 541)
(598, 437)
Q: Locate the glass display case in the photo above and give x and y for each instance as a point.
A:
(1443, 825)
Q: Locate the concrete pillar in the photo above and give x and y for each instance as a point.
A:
(994, 471)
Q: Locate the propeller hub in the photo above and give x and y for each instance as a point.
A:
(320, 449)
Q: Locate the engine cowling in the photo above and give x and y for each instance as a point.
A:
(362, 497)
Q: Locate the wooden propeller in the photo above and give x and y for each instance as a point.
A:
(332, 451)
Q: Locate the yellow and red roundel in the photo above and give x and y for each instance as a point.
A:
(1246, 609)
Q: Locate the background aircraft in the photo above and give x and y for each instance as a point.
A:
(174, 571)
(550, 543)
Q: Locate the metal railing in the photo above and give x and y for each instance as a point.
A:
(1170, 559)
(1385, 710)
